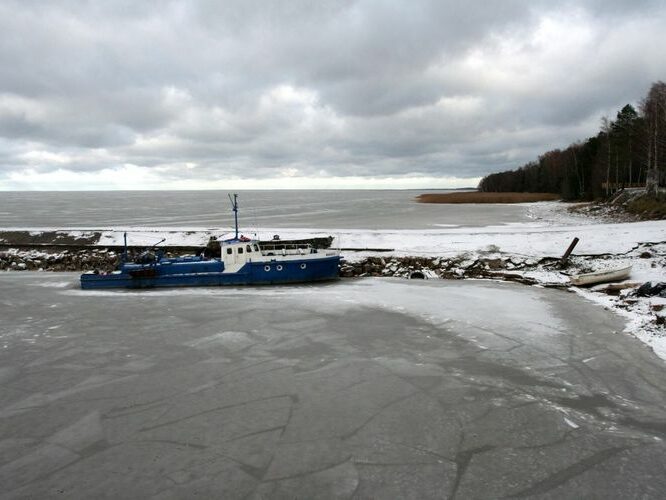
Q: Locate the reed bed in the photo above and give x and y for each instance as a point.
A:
(479, 197)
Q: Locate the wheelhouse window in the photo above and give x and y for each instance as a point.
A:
(256, 248)
(248, 248)
(229, 251)
(240, 250)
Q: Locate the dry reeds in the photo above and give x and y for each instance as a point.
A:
(479, 197)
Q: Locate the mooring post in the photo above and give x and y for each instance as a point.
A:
(564, 258)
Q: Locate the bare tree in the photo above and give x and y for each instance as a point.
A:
(580, 179)
(654, 110)
(607, 128)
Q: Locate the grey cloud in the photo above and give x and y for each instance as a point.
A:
(249, 88)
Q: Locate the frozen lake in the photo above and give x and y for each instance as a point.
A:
(358, 389)
(345, 209)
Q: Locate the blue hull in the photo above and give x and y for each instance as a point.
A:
(210, 273)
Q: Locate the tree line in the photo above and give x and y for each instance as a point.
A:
(629, 151)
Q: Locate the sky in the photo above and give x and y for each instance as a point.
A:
(252, 94)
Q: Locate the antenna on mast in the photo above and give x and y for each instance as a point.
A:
(234, 207)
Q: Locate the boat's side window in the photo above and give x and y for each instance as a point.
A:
(248, 248)
(240, 250)
(229, 251)
(256, 248)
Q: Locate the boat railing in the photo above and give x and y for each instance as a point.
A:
(286, 249)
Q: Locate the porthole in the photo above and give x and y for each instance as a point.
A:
(267, 268)
(278, 267)
(303, 265)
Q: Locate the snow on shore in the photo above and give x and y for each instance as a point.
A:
(519, 239)
(527, 239)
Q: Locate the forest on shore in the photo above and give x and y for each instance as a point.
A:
(629, 151)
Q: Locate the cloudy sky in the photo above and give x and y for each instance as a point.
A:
(257, 94)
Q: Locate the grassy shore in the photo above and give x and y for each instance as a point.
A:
(478, 197)
(648, 208)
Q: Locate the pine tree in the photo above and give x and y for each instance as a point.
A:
(625, 131)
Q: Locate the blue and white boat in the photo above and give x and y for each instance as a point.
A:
(243, 261)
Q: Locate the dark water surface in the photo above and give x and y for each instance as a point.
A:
(344, 209)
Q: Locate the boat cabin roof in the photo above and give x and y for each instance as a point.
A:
(239, 241)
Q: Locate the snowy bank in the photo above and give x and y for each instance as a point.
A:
(536, 239)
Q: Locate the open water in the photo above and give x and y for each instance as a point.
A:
(348, 209)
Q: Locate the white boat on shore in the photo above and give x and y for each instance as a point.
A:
(602, 276)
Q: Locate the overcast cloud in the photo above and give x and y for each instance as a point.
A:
(233, 94)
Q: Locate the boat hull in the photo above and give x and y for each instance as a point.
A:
(601, 276)
(252, 273)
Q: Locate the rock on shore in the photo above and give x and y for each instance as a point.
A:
(65, 260)
(459, 267)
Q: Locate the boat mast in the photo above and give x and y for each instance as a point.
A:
(234, 207)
